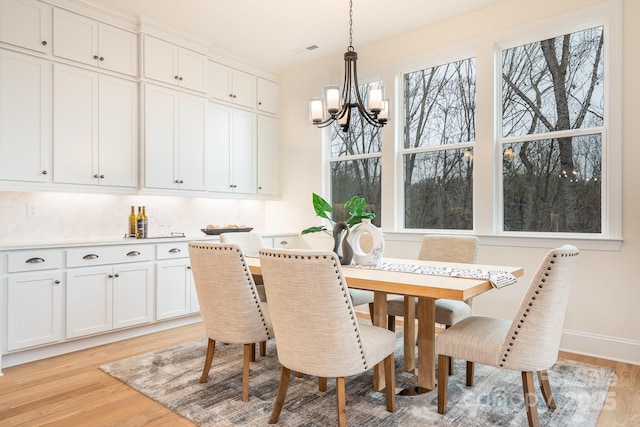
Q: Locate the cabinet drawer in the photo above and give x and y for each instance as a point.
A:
(172, 250)
(100, 255)
(34, 260)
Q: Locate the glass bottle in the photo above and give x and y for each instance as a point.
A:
(132, 222)
(145, 224)
(139, 224)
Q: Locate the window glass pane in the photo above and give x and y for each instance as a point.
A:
(553, 185)
(440, 105)
(356, 178)
(438, 189)
(361, 137)
(554, 84)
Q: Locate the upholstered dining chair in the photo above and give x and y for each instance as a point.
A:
(441, 248)
(250, 243)
(529, 343)
(327, 341)
(231, 310)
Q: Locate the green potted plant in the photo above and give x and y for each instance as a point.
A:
(355, 207)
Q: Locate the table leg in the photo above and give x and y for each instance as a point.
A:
(409, 334)
(379, 319)
(426, 343)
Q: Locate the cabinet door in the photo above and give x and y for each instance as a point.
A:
(243, 152)
(118, 132)
(132, 294)
(173, 292)
(267, 96)
(75, 125)
(191, 159)
(192, 70)
(160, 134)
(26, 23)
(160, 60)
(267, 155)
(244, 89)
(34, 309)
(89, 301)
(218, 148)
(25, 117)
(75, 37)
(118, 50)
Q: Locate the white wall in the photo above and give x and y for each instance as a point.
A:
(602, 314)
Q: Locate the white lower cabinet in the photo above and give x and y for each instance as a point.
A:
(175, 288)
(100, 299)
(34, 309)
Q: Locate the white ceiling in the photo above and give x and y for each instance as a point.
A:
(275, 33)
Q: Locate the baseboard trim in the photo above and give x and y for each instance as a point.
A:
(33, 354)
(601, 346)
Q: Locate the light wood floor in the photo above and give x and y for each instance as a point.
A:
(70, 390)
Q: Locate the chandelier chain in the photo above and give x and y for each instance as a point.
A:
(350, 24)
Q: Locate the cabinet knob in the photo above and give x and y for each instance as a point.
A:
(57, 282)
(95, 56)
(180, 79)
(259, 102)
(44, 42)
(188, 267)
(98, 176)
(116, 275)
(110, 276)
(101, 58)
(181, 182)
(259, 188)
(235, 96)
(44, 172)
(230, 95)
(176, 77)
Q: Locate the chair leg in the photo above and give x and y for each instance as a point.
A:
(211, 347)
(545, 388)
(322, 384)
(249, 354)
(451, 358)
(391, 323)
(341, 400)
(263, 348)
(282, 394)
(469, 374)
(530, 399)
(443, 383)
(390, 379)
(299, 375)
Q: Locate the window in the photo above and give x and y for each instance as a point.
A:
(553, 133)
(439, 132)
(356, 163)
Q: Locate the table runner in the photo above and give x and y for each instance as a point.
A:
(497, 278)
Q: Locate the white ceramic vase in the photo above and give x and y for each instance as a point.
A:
(367, 242)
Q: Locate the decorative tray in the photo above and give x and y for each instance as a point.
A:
(216, 231)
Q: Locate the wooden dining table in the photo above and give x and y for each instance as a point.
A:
(427, 288)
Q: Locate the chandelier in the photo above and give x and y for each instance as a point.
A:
(338, 105)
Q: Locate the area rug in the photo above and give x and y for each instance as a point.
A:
(170, 377)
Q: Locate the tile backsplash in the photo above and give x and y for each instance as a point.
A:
(52, 216)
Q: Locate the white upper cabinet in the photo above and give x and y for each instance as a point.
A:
(267, 96)
(25, 117)
(175, 65)
(90, 42)
(26, 23)
(95, 128)
(231, 150)
(231, 85)
(267, 155)
(173, 139)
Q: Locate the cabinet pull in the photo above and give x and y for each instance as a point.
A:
(284, 242)
(34, 260)
(174, 251)
(91, 256)
(133, 253)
